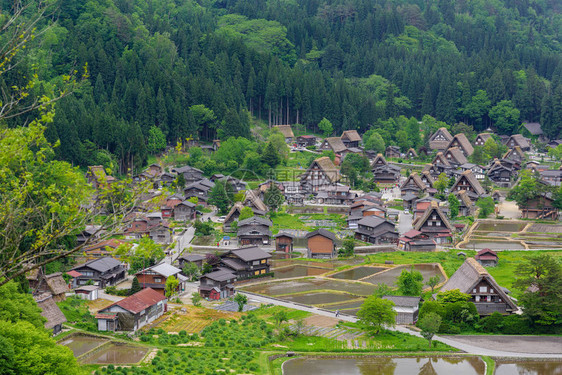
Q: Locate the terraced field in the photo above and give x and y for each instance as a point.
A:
(193, 320)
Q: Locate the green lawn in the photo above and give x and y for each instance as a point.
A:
(504, 273)
(449, 260)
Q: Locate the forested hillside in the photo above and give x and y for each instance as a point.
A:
(181, 68)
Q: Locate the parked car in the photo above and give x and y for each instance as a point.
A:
(221, 219)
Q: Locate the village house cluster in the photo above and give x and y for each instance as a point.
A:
(408, 211)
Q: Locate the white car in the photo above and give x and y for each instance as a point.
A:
(406, 211)
(221, 219)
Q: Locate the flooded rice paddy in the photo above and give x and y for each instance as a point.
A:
(494, 245)
(99, 350)
(390, 276)
(343, 290)
(385, 365)
(117, 354)
(80, 344)
(308, 285)
(500, 227)
(529, 368)
(318, 298)
(357, 273)
(298, 271)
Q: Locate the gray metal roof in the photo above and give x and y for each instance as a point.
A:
(165, 269)
(249, 254)
(100, 265)
(403, 301)
(221, 275)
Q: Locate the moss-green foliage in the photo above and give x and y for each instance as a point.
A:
(77, 313)
(250, 332)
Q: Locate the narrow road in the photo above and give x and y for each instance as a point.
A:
(183, 240)
(470, 349)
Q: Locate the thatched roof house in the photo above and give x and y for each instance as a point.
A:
(473, 279)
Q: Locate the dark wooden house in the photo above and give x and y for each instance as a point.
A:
(540, 207)
(376, 230)
(284, 242)
(306, 140)
(103, 272)
(186, 259)
(218, 284)
(190, 174)
(254, 231)
(246, 262)
(500, 174)
(392, 152)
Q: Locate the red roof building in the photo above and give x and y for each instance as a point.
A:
(133, 312)
(487, 258)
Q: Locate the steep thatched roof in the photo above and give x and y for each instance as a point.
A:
(326, 165)
(49, 310)
(464, 198)
(433, 209)
(285, 130)
(412, 152)
(441, 159)
(514, 151)
(440, 144)
(336, 144)
(533, 127)
(472, 180)
(469, 274)
(351, 135)
(416, 179)
(252, 199)
(427, 175)
(378, 160)
(520, 141)
(484, 136)
(56, 283)
(456, 155)
(463, 143)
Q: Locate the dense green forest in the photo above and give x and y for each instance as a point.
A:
(203, 69)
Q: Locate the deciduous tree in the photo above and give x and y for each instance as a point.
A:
(375, 313)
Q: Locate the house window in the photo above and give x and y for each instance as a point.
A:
(483, 289)
(477, 298)
(474, 290)
(157, 279)
(256, 272)
(263, 261)
(438, 223)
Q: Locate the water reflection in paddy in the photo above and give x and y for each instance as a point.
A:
(80, 344)
(318, 298)
(118, 354)
(298, 271)
(529, 368)
(389, 277)
(306, 285)
(385, 366)
(357, 273)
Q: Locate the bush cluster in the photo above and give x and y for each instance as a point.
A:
(252, 332)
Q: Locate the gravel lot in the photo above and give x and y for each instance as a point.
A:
(518, 344)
